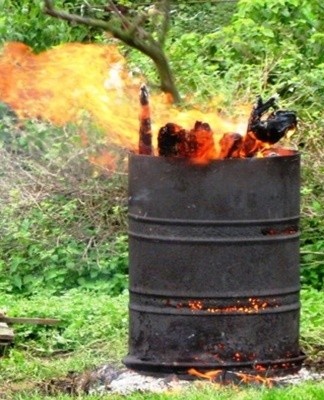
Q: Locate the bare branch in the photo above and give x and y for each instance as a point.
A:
(138, 22)
(165, 7)
(125, 21)
(109, 26)
(97, 23)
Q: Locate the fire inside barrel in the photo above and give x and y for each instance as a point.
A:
(198, 144)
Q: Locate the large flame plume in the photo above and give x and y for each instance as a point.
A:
(61, 84)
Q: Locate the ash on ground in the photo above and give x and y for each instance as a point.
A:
(125, 381)
(109, 379)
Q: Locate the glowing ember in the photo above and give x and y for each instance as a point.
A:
(253, 305)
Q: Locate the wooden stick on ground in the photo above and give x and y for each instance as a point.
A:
(26, 320)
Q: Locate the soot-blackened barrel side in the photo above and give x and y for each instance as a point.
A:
(214, 263)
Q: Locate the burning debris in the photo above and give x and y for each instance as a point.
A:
(198, 144)
(41, 86)
(269, 130)
(272, 129)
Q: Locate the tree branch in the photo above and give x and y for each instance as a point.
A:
(131, 33)
(138, 21)
(124, 20)
(110, 26)
(96, 23)
(165, 7)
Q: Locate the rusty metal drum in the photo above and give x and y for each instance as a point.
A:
(214, 264)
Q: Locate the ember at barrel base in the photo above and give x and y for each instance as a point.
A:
(214, 264)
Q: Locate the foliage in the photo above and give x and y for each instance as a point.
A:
(261, 28)
(312, 248)
(38, 250)
(267, 47)
(312, 227)
(62, 221)
(24, 21)
(312, 254)
(92, 331)
(312, 326)
(284, 38)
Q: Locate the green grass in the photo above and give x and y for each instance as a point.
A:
(306, 391)
(93, 331)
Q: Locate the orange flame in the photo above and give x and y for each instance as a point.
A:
(206, 375)
(244, 378)
(247, 378)
(62, 84)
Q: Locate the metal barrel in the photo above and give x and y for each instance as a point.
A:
(214, 264)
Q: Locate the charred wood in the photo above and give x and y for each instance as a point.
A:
(145, 131)
(250, 145)
(175, 141)
(230, 145)
(204, 142)
(171, 140)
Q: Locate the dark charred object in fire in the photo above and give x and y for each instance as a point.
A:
(175, 141)
(273, 128)
(169, 138)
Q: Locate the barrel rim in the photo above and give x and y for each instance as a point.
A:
(181, 221)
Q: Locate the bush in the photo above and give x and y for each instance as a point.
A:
(41, 248)
(24, 21)
(62, 220)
